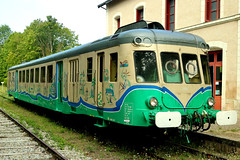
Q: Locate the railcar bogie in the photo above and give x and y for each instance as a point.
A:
(139, 77)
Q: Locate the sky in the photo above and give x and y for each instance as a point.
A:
(81, 16)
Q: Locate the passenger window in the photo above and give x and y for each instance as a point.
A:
(89, 69)
(101, 68)
(20, 76)
(50, 74)
(191, 69)
(205, 68)
(31, 75)
(43, 71)
(77, 70)
(23, 77)
(36, 75)
(27, 76)
(171, 67)
(146, 66)
(113, 67)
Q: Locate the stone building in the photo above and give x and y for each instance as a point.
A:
(217, 21)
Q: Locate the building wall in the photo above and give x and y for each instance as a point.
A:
(127, 12)
(185, 16)
(222, 34)
(188, 12)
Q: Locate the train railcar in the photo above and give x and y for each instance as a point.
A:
(142, 75)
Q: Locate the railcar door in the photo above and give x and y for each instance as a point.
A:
(100, 72)
(16, 84)
(59, 81)
(74, 79)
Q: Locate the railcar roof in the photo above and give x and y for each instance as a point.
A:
(156, 36)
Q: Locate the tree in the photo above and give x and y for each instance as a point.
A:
(5, 32)
(40, 39)
(52, 36)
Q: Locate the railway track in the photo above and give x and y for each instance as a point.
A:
(17, 142)
(208, 142)
(206, 146)
(196, 138)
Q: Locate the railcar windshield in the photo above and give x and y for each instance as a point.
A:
(171, 67)
(205, 68)
(146, 66)
(191, 69)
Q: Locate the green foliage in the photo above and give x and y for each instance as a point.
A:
(5, 32)
(41, 38)
(51, 36)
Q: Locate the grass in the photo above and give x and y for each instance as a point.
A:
(235, 130)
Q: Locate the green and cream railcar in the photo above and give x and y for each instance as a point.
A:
(140, 76)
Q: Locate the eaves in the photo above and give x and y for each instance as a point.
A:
(235, 17)
(104, 3)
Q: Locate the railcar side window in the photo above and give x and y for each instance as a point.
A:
(205, 68)
(146, 66)
(89, 69)
(27, 76)
(171, 67)
(191, 69)
(31, 75)
(101, 70)
(43, 71)
(113, 67)
(49, 74)
(23, 76)
(20, 76)
(36, 75)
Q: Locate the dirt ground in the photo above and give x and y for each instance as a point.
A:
(230, 132)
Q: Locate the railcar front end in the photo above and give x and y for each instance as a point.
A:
(171, 84)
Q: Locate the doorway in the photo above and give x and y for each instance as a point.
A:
(100, 73)
(74, 80)
(59, 81)
(215, 64)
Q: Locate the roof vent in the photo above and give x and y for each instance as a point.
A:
(140, 25)
(115, 36)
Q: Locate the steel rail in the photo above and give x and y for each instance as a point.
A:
(55, 153)
(219, 140)
(196, 136)
(195, 151)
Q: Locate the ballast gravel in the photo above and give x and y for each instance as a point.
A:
(15, 144)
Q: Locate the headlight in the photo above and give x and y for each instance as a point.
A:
(153, 102)
(211, 102)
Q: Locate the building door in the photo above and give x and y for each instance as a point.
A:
(215, 63)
